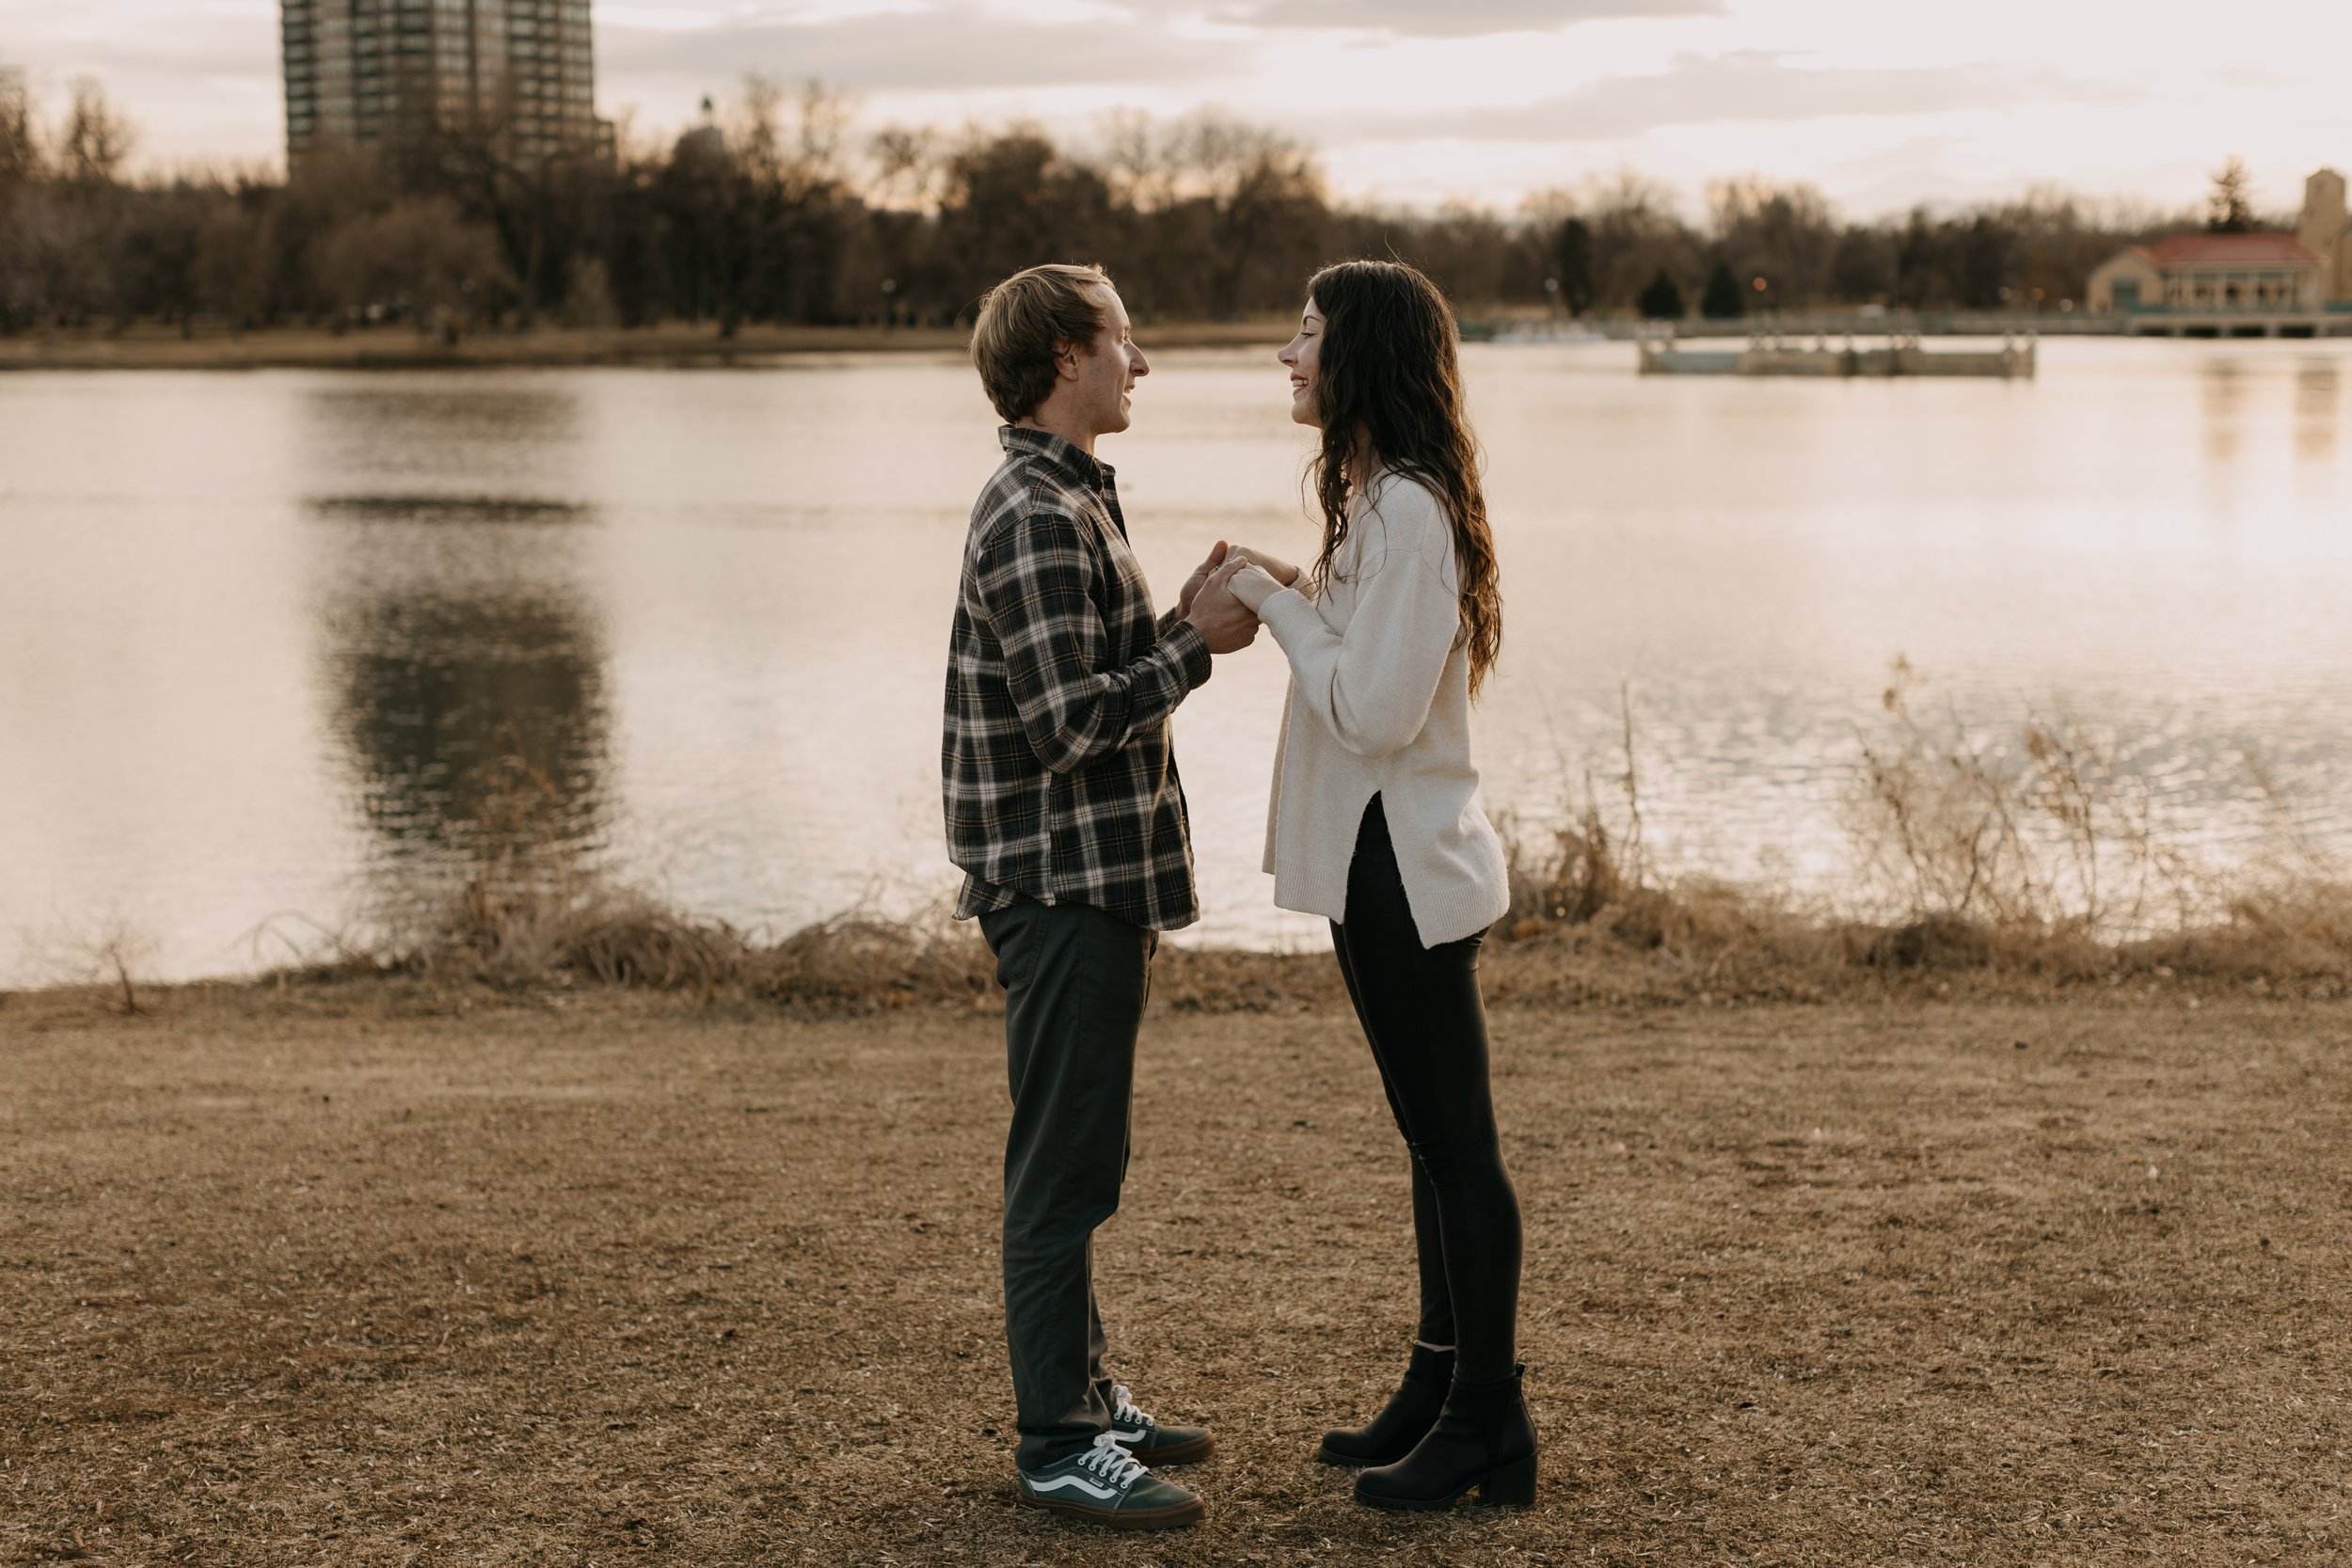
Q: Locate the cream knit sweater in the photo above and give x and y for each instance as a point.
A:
(1379, 703)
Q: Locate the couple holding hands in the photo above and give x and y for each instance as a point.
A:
(1065, 811)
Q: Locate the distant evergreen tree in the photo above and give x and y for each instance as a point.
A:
(1661, 300)
(1721, 299)
(1572, 252)
(2231, 207)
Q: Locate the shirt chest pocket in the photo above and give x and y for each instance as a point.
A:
(1122, 595)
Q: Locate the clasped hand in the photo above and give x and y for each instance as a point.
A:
(1208, 600)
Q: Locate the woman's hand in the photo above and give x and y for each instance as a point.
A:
(1274, 566)
(1251, 584)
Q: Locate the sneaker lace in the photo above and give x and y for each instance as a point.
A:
(1123, 1408)
(1112, 1463)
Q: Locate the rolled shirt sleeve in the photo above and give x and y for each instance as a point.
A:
(1033, 580)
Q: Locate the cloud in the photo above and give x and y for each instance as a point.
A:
(1459, 19)
(171, 56)
(108, 38)
(949, 49)
(1752, 86)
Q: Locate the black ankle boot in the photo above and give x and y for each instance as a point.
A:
(1411, 1411)
(1483, 1438)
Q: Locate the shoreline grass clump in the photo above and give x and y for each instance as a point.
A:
(2015, 861)
(2041, 852)
(2027, 857)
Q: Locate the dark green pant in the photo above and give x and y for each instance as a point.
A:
(1076, 982)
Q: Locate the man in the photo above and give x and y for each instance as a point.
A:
(1066, 814)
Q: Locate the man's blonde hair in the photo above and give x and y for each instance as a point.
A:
(1025, 323)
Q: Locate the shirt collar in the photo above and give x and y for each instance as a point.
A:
(1066, 459)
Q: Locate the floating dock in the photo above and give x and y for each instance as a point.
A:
(1897, 356)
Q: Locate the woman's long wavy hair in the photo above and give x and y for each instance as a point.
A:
(1388, 394)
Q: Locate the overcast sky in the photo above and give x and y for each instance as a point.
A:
(1880, 102)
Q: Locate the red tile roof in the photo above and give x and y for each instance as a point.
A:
(2224, 250)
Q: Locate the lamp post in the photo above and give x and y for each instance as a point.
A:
(890, 303)
(1551, 296)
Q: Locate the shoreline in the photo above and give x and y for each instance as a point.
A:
(673, 346)
(677, 346)
(851, 968)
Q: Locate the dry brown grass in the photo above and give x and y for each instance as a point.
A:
(335, 1275)
(1585, 928)
(2018, 861)
(2022, 866)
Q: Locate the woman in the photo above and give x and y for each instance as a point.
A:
(1376, 823)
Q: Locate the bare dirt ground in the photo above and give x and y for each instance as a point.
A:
(363, 1275)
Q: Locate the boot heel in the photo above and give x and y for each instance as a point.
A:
(1513, 1486)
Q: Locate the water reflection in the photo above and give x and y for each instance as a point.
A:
(468, 678)
(474, 726)
(447, 509)
(410, 422)
(2315, 411)
(2222, 395)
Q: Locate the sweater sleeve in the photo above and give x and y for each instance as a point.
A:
(1372, 686)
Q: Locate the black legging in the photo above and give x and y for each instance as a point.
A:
(1422, 1012)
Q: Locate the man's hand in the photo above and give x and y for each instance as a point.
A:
(1200, 576)
(1223, 621)
(1274, 566)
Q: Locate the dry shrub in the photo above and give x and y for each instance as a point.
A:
(866, 964)
(1235, 980)
(1686, 938)
(1567, 875)
(586, 928)
(2282, 933)
(524, 905)
(2032, 858)
(2036, 854)
(2039, 833)
(506, 928)
(1590, 919)
(109, 957)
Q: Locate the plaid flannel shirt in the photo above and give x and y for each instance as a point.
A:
(1060, 778)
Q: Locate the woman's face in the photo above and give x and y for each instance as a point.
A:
(1299, 356)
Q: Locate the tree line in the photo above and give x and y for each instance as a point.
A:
(773, 211)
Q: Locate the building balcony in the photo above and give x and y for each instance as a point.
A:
(2220, 308)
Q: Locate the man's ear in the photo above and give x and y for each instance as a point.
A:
(1066, 362)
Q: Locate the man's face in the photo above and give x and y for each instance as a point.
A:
(1107, 377)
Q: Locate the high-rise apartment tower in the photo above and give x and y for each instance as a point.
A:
(371, 71)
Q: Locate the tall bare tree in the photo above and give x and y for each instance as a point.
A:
(1785, 234)
(96, 140)
(20, 138)
(21, 170)
(419, 253)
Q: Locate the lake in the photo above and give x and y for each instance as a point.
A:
(270, 642)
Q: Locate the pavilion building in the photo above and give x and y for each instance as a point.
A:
(2304, 273)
